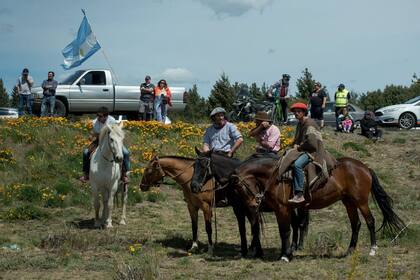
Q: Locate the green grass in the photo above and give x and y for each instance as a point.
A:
(50, 218)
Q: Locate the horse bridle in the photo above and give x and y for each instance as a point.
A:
(163, 174)
(110, 148)
(208, 169)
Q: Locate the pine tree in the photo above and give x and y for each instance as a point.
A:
(305, 85)
(4, 98)
(196, 108)
(14, 102)
(222, 94)
(256, 92)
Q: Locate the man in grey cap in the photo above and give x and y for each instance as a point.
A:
(222, 136)
(146, 99)
(24, 85)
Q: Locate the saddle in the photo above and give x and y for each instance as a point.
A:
(315, 175)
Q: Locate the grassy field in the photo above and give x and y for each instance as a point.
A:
(45, 213)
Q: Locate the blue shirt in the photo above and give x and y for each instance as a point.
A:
(222, 139)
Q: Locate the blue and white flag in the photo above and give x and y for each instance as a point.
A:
(82, 47)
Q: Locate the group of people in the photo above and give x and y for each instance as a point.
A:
(344, 120)
(154, 100)
(24, 84)
(224, 137)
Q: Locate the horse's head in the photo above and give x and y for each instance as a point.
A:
(202, 170)
(152, 175)
(115, 136)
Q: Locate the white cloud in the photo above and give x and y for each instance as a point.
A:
(235, 8)
(178, 75)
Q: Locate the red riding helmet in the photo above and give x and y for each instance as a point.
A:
(299, 105)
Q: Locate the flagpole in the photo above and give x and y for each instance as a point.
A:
(103, 52)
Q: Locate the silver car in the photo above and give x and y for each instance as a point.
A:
(406, 115)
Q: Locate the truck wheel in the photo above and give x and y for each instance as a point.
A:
(407, 120)
(60, 108)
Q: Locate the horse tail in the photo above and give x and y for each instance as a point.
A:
(392, 224)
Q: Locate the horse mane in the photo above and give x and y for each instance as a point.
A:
(111, 127)
(177, 157)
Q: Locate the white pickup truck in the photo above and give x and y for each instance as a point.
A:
(86, 90)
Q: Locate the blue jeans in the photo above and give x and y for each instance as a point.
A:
(299, 176)
(47, 100)
(25, 101)
(86, 160)
(160, 109)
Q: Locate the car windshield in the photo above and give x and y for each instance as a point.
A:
(72, 78)
(412, 100)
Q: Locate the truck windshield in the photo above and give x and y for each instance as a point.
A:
(72, 78)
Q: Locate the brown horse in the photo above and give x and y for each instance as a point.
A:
(180, 169)
(350, 181)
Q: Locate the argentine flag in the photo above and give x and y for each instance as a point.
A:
(82, 47)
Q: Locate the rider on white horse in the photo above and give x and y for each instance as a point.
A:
(103, 118)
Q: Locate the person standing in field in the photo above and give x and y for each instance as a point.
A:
(162, 100)
(283, 89)
(146, 99)
(341, 97)
(317, 101)
(49, 86)
(24, 85)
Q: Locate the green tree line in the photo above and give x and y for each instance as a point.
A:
(224, 93)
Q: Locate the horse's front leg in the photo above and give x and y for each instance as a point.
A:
(240, 217)
(194, 225)
(254, 219)
(283, 220)
(108, 199)
(208, 211)
(96, 205)
(124, 194)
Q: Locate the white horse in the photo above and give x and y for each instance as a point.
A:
(105, 173)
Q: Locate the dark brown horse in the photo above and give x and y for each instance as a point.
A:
(227, 171)
(350, 181)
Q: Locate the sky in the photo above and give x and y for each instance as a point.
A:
(364, 44)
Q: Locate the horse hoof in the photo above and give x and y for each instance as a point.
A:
(210, 251)
(108, 226)
(373, 251)
(123, 222)
(194, 247)
(285, 259)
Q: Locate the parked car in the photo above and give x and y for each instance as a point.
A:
(406, 115)
(86, 90)
(329, 114)
(8, 113)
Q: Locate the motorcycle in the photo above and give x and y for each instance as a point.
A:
(245, 108)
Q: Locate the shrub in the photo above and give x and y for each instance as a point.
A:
(24, 213)
(135, 196)
(155, 195)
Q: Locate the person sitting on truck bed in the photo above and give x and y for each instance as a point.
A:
(103, 118)
(162, 99)
(146, 99)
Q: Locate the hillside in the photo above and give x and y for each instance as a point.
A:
(44, 211)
